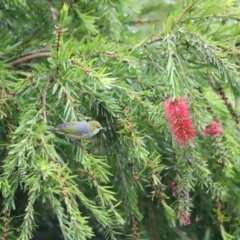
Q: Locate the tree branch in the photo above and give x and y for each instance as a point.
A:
(30, 57)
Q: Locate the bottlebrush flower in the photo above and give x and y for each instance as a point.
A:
(213, 129)
(184, 219)
(179, 120)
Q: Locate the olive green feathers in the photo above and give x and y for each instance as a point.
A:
(78, 130)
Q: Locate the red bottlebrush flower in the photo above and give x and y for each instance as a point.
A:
(213, 129)
(179, 119)
(184, 219)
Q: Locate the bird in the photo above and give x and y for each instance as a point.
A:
(78, 130)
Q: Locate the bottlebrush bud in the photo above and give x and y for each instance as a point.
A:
(184, 219)
(213, 129)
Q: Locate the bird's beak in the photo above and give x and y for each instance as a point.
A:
(104, 128)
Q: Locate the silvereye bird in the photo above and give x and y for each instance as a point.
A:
(78, 130)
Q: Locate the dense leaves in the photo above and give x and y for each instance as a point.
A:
(79, 60)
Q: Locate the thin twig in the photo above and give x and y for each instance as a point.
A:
(44, 102)
(5, 227)
(30, 57)
(54, 11)
(156, 39)
(135, 228)
(183, 13)
(140, 21)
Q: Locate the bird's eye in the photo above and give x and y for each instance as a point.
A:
(96, 126)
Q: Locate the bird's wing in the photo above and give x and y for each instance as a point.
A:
(69, 127)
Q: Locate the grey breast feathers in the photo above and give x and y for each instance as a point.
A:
(75, 130)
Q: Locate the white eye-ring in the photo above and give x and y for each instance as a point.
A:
(96, 126)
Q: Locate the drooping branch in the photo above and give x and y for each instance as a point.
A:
(30, 57)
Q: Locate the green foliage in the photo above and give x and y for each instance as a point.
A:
(91, 60)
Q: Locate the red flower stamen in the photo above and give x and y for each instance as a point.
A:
(179, 120)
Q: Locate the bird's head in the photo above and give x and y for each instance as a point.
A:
(94, 127)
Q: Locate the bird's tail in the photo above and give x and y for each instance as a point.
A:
(51, 129)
